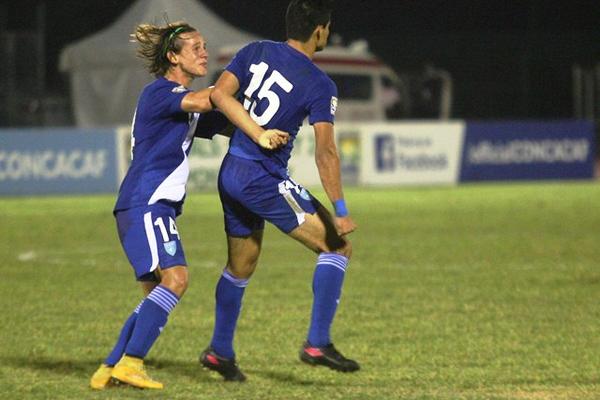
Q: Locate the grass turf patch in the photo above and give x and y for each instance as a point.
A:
(470, 292)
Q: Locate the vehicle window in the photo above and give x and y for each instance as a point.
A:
(353, 87)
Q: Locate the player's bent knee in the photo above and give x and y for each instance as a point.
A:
(175, 279)
(345, 250)
(338, 244)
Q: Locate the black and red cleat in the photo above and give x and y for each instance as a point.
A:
(327, 356)
(224, 366)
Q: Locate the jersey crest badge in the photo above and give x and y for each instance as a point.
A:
(170, 247)
(334, 102)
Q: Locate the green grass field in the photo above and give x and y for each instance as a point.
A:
(470, 292)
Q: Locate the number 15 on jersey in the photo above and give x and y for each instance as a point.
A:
(258, 73)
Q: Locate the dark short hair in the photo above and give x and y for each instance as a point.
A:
(303, 17)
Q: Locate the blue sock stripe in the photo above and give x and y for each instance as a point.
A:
(161, 304)
(334, 256)
(241, 283)
(164, 298)
(335, 260)
(339, 263)
(165, 295)
(167, 291)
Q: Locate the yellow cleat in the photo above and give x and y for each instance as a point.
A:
(131, 370)
(101, 377)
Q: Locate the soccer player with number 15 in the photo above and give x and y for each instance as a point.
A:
(278, 86)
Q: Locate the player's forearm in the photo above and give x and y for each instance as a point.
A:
(236, 113)
(198, 101)
(328, 165)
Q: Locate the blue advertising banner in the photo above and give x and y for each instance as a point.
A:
(57, 161)
(495, 151)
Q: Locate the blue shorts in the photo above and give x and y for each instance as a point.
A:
(250, 194)
(150, 239)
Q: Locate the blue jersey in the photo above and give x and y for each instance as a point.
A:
(280, 87)
(162, 135)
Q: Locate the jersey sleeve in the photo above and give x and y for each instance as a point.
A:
(323, 102)
(238, 65)
(165, 100)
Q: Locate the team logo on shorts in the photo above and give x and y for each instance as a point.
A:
(170, 247)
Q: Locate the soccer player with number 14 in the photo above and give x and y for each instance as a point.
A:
(167, 118)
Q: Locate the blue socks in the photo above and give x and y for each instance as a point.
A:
(151, 319)
(228, 296)
(117, 352)
(327, 288)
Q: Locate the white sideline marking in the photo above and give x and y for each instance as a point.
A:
(27, 256)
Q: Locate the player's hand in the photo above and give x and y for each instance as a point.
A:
(272, 139)
(344, 225)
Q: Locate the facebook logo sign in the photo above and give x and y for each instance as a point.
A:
(385, 153)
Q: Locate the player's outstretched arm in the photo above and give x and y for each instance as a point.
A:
(198, 101)
(223, 98)
(328, 164)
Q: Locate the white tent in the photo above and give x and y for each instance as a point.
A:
(106, 76)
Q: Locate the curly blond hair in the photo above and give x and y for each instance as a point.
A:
(156, 41)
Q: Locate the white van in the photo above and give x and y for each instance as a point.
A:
(368, 90)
